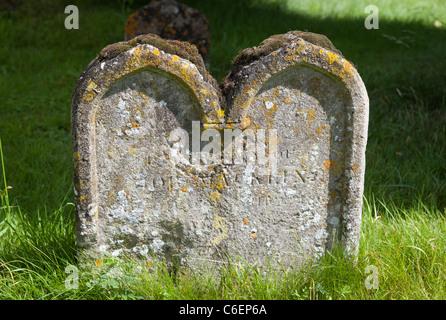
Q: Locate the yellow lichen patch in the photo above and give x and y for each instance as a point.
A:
(245, 221)
(91, 85)
(253, 235)
(215, 196)
(91, 90)
(98, 263)
(184, 69)
(156, 52)
(132, 150)
(256, 127)
(319, 129)
(219, 223)
(355, 167)
(220, 113)
(287, 100)
(245, 123)
(329, 164)
(311, 113)
(184, 189)
(76, 157)
(89, 97)
(175, 58)
(269, 123)
(331, 57)
(207, 126)
(347, 66)
(262, 192)
(218, 182)
(136, 51)
(204, 91)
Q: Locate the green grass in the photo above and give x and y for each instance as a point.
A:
(402, 65)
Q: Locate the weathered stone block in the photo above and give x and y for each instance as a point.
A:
(268, 167)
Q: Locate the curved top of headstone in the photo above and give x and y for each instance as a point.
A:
(277, 41)
(175, 57)
(277, 53)
(171, 19)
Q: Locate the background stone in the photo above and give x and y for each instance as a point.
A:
(173, 20)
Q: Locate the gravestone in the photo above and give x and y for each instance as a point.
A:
(173, 20)
(268, 167)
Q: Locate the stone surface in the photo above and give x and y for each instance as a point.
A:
(173, 20)
(145, 185)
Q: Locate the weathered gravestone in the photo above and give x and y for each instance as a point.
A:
(267, 168)
(173, 20)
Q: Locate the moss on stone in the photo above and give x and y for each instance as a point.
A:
(277, 41)
(182, 49)
(113, 50)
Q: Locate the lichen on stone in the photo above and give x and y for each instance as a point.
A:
(182, 49)
(266, 47)
(277, 41)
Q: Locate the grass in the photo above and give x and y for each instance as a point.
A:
(403, 226)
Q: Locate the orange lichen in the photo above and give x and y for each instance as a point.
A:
(333, 194)
(245, 221)
(245, 123)
(184, 189)
(329, 164)
(319, 129)
(311, 114)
